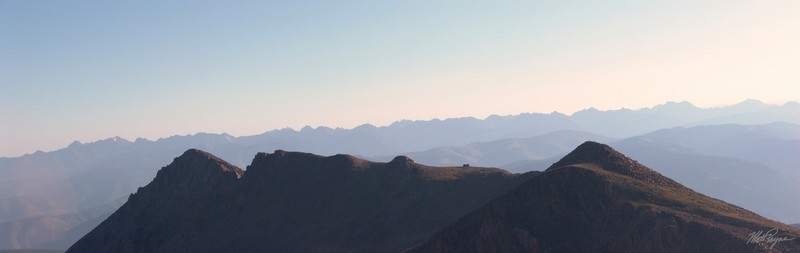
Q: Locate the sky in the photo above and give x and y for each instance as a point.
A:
(90, 70)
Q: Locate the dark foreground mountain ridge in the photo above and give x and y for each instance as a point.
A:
(294, 202)
(593, 200)
(42, 193)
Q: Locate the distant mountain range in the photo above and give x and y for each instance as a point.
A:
(774, 145)
(60, 185)
(751, 166)
(500, 152)
(593, 200)
(406, 135)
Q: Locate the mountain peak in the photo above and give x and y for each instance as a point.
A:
(613, 161)
(598, 200)
(75, 143)
(195, 164)
(589, 152)
(117, 139)
(751, 101)
(193, 152)
(198, 159)
(749, 105)
(675, 107)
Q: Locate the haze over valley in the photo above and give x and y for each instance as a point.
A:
(69, 191)
(407, 126)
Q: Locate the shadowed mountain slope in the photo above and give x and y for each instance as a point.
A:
(294, 202)
(749, 166)
(87, 175)
(597, 200)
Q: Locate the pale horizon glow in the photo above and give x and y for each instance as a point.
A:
(90, 70)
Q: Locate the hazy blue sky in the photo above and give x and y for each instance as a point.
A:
(88, 70)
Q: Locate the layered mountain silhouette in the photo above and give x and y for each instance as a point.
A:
(750, 166)
(294, 202)
(592, 200)
(501, 152)
(595, 199)
(59, 185)
(772, 144)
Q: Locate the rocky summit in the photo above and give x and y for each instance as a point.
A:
(598, 200)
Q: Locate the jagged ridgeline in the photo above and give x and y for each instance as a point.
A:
(294, 202)
(593, 200)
